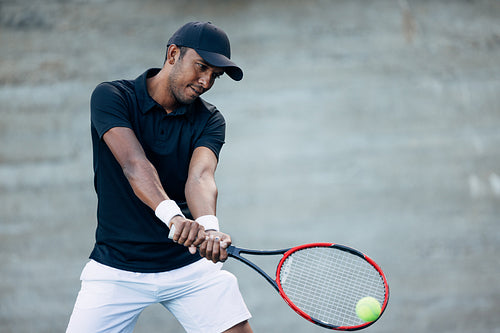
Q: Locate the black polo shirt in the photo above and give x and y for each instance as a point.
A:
(129, 236)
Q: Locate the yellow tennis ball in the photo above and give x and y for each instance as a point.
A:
(368, 309)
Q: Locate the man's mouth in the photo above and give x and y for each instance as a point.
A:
(197, 91)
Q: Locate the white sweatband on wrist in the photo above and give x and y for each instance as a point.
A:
(209, 222)
(166, 210)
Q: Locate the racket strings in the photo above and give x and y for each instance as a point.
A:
(326, 283)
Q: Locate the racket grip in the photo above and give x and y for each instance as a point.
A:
(172, 231)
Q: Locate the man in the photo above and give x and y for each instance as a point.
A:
(156, 145)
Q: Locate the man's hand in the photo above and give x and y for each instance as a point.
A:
(212, 244)
(215, 245)
(188, 233)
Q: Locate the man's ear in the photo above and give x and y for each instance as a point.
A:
(173, 52)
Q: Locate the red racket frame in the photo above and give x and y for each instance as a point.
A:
(314, 320)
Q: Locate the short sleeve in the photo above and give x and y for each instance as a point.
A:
(108, 109)
(213, 134)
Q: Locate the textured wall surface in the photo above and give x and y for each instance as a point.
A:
(373, 124)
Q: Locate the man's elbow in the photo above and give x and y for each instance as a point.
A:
(201, 182)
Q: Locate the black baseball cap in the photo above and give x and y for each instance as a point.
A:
(210, 42)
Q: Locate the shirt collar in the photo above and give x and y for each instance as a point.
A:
(146, 102)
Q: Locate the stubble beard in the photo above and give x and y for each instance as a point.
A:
(177, 89)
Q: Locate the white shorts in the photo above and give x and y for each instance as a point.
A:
(201, 296)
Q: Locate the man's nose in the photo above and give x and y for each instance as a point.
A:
(206, 81)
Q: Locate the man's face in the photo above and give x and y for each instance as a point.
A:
(191, 76)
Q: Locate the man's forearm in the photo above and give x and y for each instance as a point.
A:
(201, 195)
(145, 182)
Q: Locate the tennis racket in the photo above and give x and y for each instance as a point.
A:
(323, 282)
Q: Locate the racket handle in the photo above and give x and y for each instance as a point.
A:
(172, 231)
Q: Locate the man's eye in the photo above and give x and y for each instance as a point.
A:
(202, 67)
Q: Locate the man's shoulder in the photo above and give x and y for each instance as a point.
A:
(116, 87)
(205, 106)
(130, 90)
(201, 112)
(113, 93)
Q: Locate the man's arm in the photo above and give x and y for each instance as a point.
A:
(145, 181)
(201, 190)
(201, 195)
(140, 173)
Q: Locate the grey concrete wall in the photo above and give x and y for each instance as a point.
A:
(368, 123)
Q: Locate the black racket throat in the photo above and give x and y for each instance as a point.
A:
(235, 252)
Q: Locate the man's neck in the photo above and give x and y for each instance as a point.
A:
(157, 89)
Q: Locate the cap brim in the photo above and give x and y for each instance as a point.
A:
(218, 60)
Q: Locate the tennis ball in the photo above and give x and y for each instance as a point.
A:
(368, 309)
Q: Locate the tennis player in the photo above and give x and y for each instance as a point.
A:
(156, 145)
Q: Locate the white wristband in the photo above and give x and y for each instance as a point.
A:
(209, 222)
(166, 210)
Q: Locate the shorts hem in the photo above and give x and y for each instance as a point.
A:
(234, 321)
